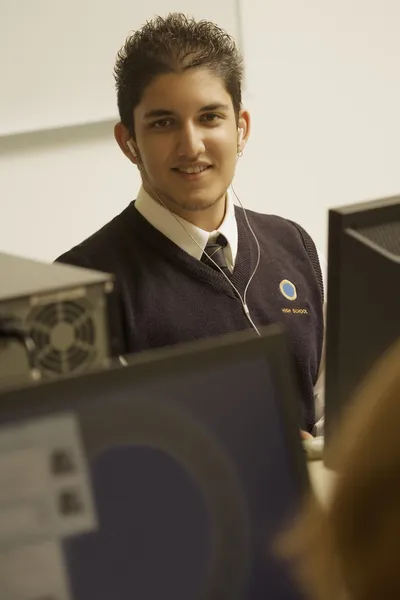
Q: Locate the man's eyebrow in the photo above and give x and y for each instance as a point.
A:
(214, 106)
(164, 112)
(158, 112)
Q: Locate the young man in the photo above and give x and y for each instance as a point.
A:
(188, 263)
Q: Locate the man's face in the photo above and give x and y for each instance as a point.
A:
(186, 137)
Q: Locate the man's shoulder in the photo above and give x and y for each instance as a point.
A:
(287, 236)
(280, 229)
(270, 223)
(100, 249)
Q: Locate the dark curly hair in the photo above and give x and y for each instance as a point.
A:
(174, 44)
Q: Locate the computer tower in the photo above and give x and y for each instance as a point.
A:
(54, 320)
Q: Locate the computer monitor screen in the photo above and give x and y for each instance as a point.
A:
(363, 315)
(170, 478)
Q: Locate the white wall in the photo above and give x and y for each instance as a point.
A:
(324, 91)
(324, 78)
(59, 186)
(57, 57)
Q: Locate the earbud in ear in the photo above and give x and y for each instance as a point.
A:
(240, 138)
(131, 147)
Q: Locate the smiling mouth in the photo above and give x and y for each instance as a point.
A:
(192, 170)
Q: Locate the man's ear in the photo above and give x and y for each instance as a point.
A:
(244, 124)
(125, 142)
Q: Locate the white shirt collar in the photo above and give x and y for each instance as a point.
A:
(187, 236)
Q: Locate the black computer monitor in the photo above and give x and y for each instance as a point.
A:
(363, 312)
(170, 478)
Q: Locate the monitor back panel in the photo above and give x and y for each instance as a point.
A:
(166, 480)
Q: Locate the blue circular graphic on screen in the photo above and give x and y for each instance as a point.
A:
(288, 289)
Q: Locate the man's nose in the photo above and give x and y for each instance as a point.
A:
(191, 143)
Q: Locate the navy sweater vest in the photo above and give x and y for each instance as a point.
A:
(169, 297)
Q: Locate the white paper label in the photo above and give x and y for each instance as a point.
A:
(33, 573)
(44, 484)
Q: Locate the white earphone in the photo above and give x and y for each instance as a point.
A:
(242, 299)
(131, 148)
(240, 138)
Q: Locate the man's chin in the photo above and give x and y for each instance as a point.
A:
(196, 203)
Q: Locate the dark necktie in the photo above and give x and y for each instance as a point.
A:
(215, 250)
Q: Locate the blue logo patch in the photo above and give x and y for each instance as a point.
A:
(288, 289)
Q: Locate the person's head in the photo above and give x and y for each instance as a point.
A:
(350, 549)
(179, 98)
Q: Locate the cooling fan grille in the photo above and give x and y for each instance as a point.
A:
(64, 336)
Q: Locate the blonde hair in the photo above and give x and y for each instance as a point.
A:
(351, 549)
